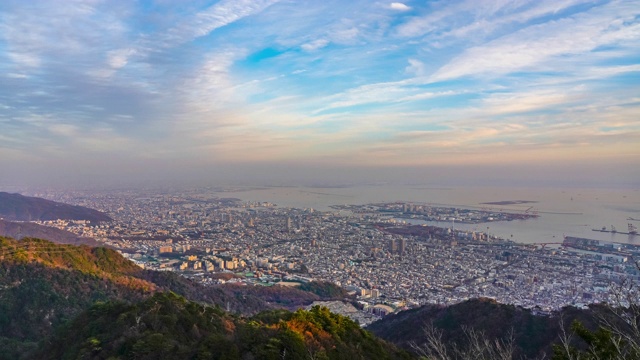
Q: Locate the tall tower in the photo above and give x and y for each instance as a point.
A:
(402, 245)
(289, 224)
(393, 246)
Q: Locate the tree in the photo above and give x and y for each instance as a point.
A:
(618, 334)
(476, 346)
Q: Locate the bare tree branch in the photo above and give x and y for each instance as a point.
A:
(476, 346)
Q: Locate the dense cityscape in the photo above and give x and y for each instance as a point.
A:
(269, 179)
(368, 249)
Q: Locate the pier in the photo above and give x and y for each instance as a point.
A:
(631, 230)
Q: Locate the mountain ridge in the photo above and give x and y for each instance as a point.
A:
(17, 207)
(20, 230)
(533, 335)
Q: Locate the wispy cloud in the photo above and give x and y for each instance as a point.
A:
(218, 15)
(315, 45)
(531, 46)
(326, 81)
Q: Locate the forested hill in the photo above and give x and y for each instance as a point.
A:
(16, 207)
(533, 335)
(45, 285)
(168, 326)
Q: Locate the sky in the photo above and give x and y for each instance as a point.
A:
(323, 92)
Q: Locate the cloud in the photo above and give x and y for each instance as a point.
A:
(399, 6)
(365, 94)
(349, 79)
(66, 130)
(221, 14)
(527, 101)
(416, 67)
(25, 60)
(470, 19)
(431, 95)
(527, 48)
(209, 86)
(119, 58)
(315, 45)
(16, 76)
(346, 35)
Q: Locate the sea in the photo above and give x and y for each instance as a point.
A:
(562, 212)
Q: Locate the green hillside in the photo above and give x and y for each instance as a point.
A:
(96, 261)
(533, 335)
(44, 285)
(167, 326)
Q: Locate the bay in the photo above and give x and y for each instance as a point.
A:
(562, 211)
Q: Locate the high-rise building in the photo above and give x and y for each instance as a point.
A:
(165, 249)
(393, 246)
(289, 224)
(397, 246)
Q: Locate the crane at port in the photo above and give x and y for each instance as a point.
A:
(543, 245)
(631, 230)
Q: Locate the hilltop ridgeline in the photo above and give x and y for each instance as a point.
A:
(16, 207)
(21, 230)
(533, 335)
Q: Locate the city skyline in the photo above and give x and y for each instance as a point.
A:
(327, 92)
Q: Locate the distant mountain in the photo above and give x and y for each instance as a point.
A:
(20, 230)
(533, 334)
(16, 207)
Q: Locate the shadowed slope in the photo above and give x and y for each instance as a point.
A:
(18, 207)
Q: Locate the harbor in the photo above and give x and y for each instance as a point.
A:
(631, 230)
(621, 252)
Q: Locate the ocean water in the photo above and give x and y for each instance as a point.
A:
(571, 212)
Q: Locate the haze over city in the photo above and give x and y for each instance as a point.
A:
(320, 92)
(319, 179)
